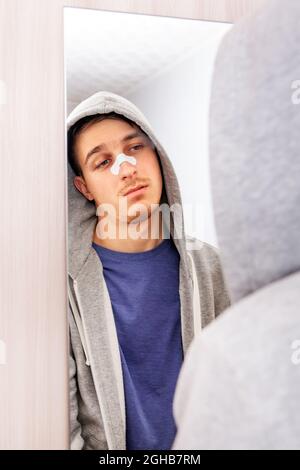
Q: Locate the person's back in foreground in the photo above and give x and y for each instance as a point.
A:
(240, 385)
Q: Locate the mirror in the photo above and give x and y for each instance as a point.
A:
(163, 65)
(121, 393)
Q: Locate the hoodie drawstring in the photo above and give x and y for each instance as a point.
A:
(78, 322)
(196, 299)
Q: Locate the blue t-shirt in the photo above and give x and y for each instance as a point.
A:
(144, 292)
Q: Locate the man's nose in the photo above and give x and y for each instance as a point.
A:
(127, 170)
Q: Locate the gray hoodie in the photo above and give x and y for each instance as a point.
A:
(97, 400)
(240, 386)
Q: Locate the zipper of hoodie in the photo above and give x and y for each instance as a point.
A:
(78, 320)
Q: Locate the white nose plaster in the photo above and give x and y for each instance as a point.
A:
(121, 158)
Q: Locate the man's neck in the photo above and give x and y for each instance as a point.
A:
(145, 242)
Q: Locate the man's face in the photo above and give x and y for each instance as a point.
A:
(99, 183)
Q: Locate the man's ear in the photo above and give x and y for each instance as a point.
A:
(81, 186)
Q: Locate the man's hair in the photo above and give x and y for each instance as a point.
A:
(83, 124)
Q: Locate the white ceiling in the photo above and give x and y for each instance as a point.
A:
(118, 52)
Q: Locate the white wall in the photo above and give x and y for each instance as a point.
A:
(176, 104)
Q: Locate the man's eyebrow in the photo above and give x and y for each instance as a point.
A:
(99, 147)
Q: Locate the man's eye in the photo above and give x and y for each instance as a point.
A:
(102, 164)
(136, 147)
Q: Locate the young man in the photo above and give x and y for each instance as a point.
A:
(135, 292)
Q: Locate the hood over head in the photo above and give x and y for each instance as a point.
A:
(82, 212)
(255, 148)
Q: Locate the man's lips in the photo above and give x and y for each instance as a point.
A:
(136, 188)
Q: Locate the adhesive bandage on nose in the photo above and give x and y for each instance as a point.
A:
(121, 158)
